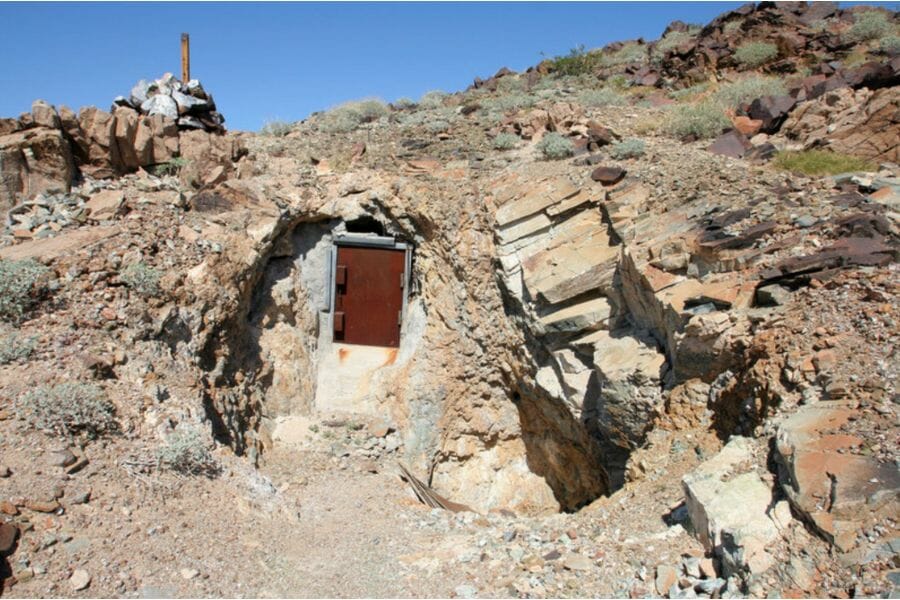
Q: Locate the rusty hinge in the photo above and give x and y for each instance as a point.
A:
(338, 321)
(340, 275)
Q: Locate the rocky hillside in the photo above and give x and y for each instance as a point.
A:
(649, 345)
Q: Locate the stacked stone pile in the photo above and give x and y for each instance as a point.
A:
(188, 104)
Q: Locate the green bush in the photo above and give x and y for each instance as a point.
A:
(627, 149)
(689, 92)
(890, 44)
(439, 126)
(13, 346)
(627, 54)
(276, 128)
(577, 62)
(506, 141)
(18, 279)
(703, 119)
(748, 89)
(732, 26)
(672, 40)
(509, 102)
(170, 167)
(554, 146)
(602, 97)
(187, 452)
(510, 83)
(348, 117)
(68, 409)
(869, 25)
(142, 278)
(433, 99)
(820, 162)
(404, 103)
(755, 54)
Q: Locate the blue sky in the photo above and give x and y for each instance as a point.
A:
(266, 61)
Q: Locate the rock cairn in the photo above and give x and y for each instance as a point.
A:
(188, 104)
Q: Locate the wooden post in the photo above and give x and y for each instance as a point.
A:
(185, 58)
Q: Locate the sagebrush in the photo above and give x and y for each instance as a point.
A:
(186, 451)
(506, 141)
(276, 128)
(68, 409)
(18, 287)
(602, 97)
(869, 25)
(554, 146)
(701, 120)
(755, 54)
(627, 149)
(14, 346)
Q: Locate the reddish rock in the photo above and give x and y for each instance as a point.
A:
(8, 535)
(43, 506)
(608, 175)
(746, 125)
(771, 111)
(732, 144)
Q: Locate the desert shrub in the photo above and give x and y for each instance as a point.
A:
(627, 149)
(68, 409)
(506, 141)
(510, 102)
(820, 162)
(869, 25)
(703, 120)
(602, 97)
(438, 126)
(347, 117)
(18, 279)
(170, 167)
(672, 40)
(510, 83)
(755, 54)
(647, 124)
(748, 89)
(890, 44)
(433, 99)
(404, 103)
(186, 452)
(554, 146)
(617, 82)
(689, 92)
(276, 128)
(732, 26)
(577, 62)
(142, 278)
(627, 54)
(14, 346)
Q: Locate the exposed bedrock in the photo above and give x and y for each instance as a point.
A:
(460, 388)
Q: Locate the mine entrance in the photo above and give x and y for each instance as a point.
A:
(370, 280)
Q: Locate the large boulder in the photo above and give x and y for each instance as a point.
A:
(728, 502)
(861, 122)
(32, 161)
(828, 479)
(100, 146)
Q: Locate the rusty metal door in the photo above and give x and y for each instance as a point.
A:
(368, 295)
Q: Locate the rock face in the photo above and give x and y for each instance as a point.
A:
(861, 122)
(728, 505)
(827, 479)
(33, 161)
(43, 151)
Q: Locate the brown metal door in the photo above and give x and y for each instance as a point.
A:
(368, 297)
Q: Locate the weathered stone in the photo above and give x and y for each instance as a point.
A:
(160, 104)
(771, 111)
(578, 317)
(772, 295)
(608, 175)
(79, 580)
(666, 577)
(33, 161)
(727, 504)
(8, 535)
(43, 506)
(106, 204)
(732, 144)
(815, 463)
(44, 115)
(577, 562)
